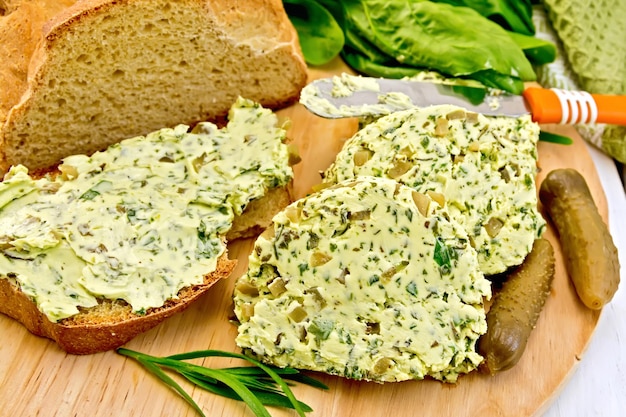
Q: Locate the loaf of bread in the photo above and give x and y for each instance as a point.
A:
(77, 79)
(113, 243)
(366, 279)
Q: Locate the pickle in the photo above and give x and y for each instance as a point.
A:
(516, 308)
(590, 255)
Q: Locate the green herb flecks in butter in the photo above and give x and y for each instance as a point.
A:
(397, 294)
(142, 219)
(482, 168)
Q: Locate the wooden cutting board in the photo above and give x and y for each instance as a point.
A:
(37, 378)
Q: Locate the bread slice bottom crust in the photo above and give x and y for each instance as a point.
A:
(112, 323)
(106, 326)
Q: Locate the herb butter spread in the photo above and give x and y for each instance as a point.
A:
(482, 169)
(346, 85)
(142, 219)
(367, 279)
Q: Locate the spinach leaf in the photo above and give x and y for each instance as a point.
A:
(538, 51)
(335, 8)
(359, 43)
(398, 38)
(493, 79)
(321, 37)
(515, 15)
(456, 41)
(363, 64)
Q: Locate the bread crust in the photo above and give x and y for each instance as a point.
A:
(21, 29)
(80, 336)
(24, 131)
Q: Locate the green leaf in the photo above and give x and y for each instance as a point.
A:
(96, 190)
(170, 382)
(515, 15)
(538, 51)
(286, 373)
(361, 45)
(493, 79)
(281, 383)
(455, 41)
(244, 393)
(256, 386)
(443, 255)
(307, 380)
(473, 95)
(267, 398)
(554, 138)
(366, 66)
(321, 37)
(321, 328)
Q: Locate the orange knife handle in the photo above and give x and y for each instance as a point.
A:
(574, 107)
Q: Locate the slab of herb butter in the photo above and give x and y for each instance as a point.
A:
(367, 279)
(481, 168)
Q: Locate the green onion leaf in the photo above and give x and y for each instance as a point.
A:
(258, 386)
(554, 138)
(169, 381)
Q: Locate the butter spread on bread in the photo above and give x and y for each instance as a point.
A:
(104, 70)
(141, 220)
(366, 279)
(481, 168)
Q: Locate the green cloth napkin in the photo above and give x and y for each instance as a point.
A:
(591, 41)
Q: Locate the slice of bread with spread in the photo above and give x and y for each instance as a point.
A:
(103, 70)
(367, 279)
(113, 243)
(106, 326)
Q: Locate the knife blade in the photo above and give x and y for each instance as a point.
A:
(358, 96)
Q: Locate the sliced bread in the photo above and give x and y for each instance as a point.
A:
(109, 69)
(113, 243)
(106, 326)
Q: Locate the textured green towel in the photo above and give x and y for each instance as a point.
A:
(591, 37)
(593, 33)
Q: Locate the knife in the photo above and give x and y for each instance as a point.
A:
(358, 96)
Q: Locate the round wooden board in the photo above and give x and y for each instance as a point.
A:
(37, 378)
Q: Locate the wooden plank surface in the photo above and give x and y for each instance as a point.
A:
(38, 379)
